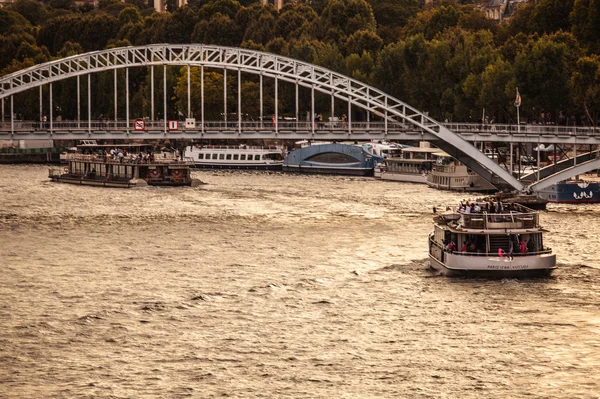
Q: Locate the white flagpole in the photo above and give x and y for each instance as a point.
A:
(518, 104)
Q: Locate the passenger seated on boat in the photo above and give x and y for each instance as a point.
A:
(451, 247)
(500, 253)
(465, 247)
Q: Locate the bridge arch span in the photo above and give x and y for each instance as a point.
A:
(274, 66)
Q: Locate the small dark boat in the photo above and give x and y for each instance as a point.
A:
(104, 171)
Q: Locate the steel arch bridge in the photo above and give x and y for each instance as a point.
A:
(359, 95)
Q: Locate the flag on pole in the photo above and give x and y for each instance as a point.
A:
(518, 99)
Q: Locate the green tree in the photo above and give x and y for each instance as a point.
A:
(129, 15)
(34, 11)
(363, 40)
(543, 73)
(585, 87)
(498, 89)
(551, 15)
(220, 29)
(585, 20)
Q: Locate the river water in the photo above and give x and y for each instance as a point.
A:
(267, 285)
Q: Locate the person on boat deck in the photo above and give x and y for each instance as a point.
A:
(511, 249)
(477, 208)
(451, 246)
(530, 245)
(500, 252)
(464, 247)
(523, 246)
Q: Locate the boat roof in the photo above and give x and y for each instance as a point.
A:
(421, 149)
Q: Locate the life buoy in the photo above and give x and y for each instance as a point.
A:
(155, 172)
(66, 170)
(177, 175)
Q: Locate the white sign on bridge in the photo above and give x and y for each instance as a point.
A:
(190, 123)
(173, 125)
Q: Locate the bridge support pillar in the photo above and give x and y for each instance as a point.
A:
(152, 93)
(51, 108)
(260, 98)
(165, 97)
(225, 95)
(89, 102)
(115, 95)
(126, 100)
(202, 98)
(239, 101)
(78, 102)
(41, 105)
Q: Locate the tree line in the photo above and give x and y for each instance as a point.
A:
(448, 60)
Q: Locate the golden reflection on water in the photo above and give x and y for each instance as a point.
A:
(273, 285)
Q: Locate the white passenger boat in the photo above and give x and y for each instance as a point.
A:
(448, 173)
(236, 157)
(505, 244)
(412, 165)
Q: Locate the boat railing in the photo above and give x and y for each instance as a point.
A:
(242, 147)
(158, 159)
(510, 220)
(506, 255)
(545, 250)
(444, 168)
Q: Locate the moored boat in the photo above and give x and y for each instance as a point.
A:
(508, 243)
(236, 157)
(413, 165)
(572, 192)
(107, 171)
(332, 158)
(448, 173)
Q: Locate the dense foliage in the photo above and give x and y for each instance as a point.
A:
(448, 60)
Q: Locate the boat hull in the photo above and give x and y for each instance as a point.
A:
(572, 193)
(487, 266)
(311, 169)
(405, 177)
(271, 166)
(95, 182)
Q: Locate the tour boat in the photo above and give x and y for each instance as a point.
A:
(236, 157)
(448, 173)
(505, 244)
(572, 192)
(332, 158)
(413, 165)
(115, 171)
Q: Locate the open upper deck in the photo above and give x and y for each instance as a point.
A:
(512, 217)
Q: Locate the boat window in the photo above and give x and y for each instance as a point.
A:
(221, 156)
(236, 157)
(256, 157)
(332, 157)
(228, 157)
(215, 156)
(243, 157)
(200, 156)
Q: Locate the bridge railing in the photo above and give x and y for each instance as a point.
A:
(534, 129)
(293, 125)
